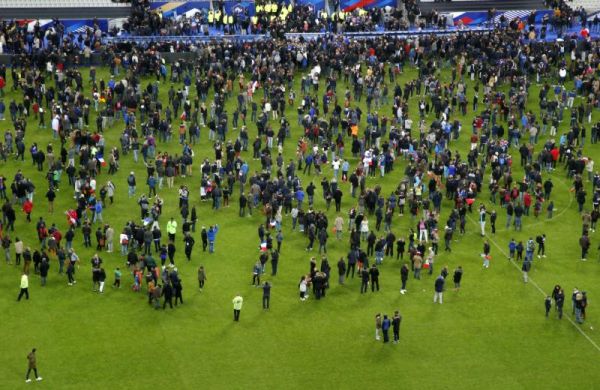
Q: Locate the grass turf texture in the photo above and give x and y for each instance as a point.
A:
(491, 334)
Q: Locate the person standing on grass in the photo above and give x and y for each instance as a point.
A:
(212, 235)
(201, 277)
(526, 267)
(256, 271)
(559, 300)
(178, 287)
(238, 302)
(172, 229)
(584, 243)
(482, 215)
(44, 267)
(439, 289)
(404, 277)
(548, 304)
(579, 305)
(417, 263)
(377, 326)
(457, 277)
(189, 245)
(374, 272)
(266, 298)
(167, 292)
(541, 241)
(364, 276)
(32, 366)
(24, 287)
(101, 280)
(396, 321)
(341, 271)
(117, 282)
(385, 328)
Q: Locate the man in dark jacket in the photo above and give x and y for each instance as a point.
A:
(189, 245)
(352, 257)
(364, 275)
(44, 267)
(374, 273)
(404, 277)
(341, 270)
(167, 292)
(439, 289)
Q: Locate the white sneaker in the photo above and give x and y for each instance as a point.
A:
(539, 257)
(544, 256)
(27, 380)
(39, 378)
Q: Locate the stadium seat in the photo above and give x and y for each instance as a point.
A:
(589, 5)
(60, 3)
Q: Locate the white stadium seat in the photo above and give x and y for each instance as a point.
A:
(59, 3)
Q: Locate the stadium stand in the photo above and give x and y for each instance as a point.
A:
(71, 9)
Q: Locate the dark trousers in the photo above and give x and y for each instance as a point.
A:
(374, 282)
(386, 335)
(169, 301)
(266, 301)
(29, 372)
(363, 287)
(236, 315)
(201, 283)
(396, 334)
(350, 267)
(24, 291)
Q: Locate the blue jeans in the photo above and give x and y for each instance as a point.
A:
(211, 247)
(518, 223)
(131, 191)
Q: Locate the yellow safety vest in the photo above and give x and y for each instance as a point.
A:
(225, 19)
(218, 16)
(290, 8)
(230, 19)
(254, 19)
(259, 8)
(274, 8)
(268, 7)
(211, 17)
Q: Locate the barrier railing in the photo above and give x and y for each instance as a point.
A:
(186, 39)
(246, 38)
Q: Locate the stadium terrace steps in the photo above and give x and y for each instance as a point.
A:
(589, 5)
(499, 5)
(61, 4)
(65, 13)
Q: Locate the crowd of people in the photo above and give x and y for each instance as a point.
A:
(232, 90)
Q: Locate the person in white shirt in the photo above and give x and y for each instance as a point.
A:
(55, 126)
(335, 164)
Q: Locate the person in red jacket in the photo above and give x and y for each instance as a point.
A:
(527, 202)
(28, 208)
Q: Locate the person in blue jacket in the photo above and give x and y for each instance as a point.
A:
(211, 235)
(385, 327)
(439, 289)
